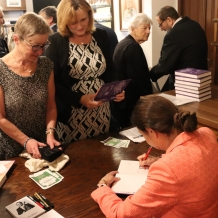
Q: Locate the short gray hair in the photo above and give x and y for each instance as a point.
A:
(30, 24)
(137, 20)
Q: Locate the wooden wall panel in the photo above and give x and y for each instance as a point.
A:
(203, 11)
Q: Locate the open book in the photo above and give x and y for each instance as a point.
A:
(132, 177)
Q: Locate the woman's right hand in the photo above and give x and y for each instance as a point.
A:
(89, 102)
(32, 147)
(148, 161)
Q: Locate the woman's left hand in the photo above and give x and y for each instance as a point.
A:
(109, 178)
(51, 141)
(120, 96)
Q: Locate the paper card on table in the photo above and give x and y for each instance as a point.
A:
(133, 134)
(117, 143)
(132, 177)
(32, 210)
(46, 178)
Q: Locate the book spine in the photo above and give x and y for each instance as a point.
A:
(183, 78)
(192, 83)
(198, 91)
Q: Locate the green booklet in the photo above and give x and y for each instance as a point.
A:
(46, 178)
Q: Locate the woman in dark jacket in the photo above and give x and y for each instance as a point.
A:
(130, 63)
(82, 64)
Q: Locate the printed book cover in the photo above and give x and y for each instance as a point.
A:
(108, 91)
(192, 72)
(5, 166)
(199, 80)
(25, 208)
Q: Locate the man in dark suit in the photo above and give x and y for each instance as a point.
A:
(49, 14)
(111, 36)
(184, 45)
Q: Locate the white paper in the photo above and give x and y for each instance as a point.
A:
(132, 177)
(177, 100)
(133, 134)
(51, 214)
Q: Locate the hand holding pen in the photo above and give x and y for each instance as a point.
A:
(144, 160)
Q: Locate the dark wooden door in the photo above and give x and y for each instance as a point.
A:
(203, 11)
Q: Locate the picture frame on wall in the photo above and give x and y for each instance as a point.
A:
(128, 8)
(13, 3)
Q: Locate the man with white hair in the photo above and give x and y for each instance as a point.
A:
(3, 44)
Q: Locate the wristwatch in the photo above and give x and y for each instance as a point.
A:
(101, 185)
(104, 183)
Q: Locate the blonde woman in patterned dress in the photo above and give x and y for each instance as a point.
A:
(82, 63)
(27, 103)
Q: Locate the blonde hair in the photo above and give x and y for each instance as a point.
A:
(30, 24)
(66, 13)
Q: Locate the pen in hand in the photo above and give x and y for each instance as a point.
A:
(148, 152)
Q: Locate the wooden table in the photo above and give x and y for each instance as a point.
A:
(207, 111)
(90, 160)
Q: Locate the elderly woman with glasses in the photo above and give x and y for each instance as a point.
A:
(27, 103)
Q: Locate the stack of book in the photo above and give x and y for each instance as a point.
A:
(193, 84)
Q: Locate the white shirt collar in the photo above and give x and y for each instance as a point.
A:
(177, 21)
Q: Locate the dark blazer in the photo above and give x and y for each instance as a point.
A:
(111, 36)
(58, 52)
(3, 48)
(185, 45)
(54, 28)
(130, 63)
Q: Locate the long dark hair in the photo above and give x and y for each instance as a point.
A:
(162, 115)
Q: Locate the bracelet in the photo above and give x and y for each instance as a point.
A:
(49, 132)
(51, 128)
(24, 145)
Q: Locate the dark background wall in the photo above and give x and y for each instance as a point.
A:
(39, 4)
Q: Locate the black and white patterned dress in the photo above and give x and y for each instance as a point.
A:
(25, 104)
(86, 63)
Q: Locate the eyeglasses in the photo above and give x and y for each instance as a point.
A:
(160, 25)
(36, 48)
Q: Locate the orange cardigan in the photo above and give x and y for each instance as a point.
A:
(181, 184)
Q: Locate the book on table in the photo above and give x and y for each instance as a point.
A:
(108, 91)
(195, 95)
(200, 80)
(5, 167)
(192, 83)
(203, 98)
(25, 208)
(198, 91)
(192, 73)
(187, 87)
(132, 177)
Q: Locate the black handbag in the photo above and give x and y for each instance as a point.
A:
(50, 154)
